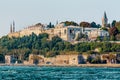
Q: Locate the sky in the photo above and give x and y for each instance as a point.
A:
(29, 12)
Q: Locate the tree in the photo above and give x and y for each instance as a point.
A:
(112, 38)
(104, 28)
(56, 39)
(108, 25)
(2, 58)
(50, 25)
(85, 24)
(91, 52)
(117, 36)
(68, 46)
(52, 54)
(117, 25)
(96, 60)
(105, 38)
(38, 24)
(113, 31)
(35, 51)
(113, 23)
(94, 25)
(70, 23)
(99, 38)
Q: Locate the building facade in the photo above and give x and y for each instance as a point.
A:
(98, 33)
(67, 33)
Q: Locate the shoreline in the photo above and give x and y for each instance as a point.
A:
(86, 65)
(66, 65)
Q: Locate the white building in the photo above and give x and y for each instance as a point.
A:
(87, 30)
(94, 34)
(67, 33)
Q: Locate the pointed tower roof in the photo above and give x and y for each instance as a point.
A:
(104, 20)
(105, 16)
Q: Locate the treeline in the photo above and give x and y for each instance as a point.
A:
(23, 46)
(82, 24)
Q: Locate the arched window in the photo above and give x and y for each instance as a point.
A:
(70, 31)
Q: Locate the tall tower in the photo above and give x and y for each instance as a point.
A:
(13, 26)
(11, 29)
(104, 20)
(56, 22)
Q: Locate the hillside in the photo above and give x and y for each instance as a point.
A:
(23, 46)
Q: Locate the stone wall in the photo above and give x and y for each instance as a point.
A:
(59, 59)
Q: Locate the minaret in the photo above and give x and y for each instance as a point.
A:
(56, 22)
(13, 26)
(104, 20)
(11, 30)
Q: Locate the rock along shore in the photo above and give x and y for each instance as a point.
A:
(66, 65)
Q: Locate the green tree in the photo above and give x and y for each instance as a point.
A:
(113, 31)
(113, 23)
(94, 25)
(2, 58)
(96, 60)
(50, 25)
(112, 38)
(117, 25)
(99, 38)
(85, 24)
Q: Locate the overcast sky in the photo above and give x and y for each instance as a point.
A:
(29, 12)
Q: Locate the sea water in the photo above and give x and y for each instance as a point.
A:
(58, 73)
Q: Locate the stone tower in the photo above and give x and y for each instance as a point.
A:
(104, 20)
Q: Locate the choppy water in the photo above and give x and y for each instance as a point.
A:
(58, 73)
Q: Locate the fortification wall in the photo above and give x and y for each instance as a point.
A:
(15, 34)
(62, 32)
(29, 32)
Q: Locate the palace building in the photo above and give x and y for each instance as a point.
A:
(67, 33)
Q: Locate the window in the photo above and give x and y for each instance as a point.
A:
(71, 31)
